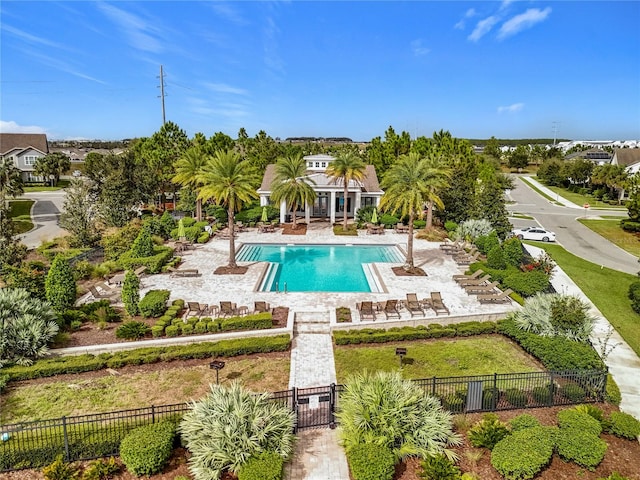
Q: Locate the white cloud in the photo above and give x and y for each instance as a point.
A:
(482, 28)
(228, 12)
(31, 38)
(505, 4)
(418, 49)
(13, 127)
(224, 88)
(62, 66)
(513, 108)
(468, 14)
(141, 34)
(523, 21)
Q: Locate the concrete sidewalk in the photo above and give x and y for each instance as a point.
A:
(550, 193)
(623, 363)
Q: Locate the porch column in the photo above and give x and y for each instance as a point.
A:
(357, 203)
(307, 213)
(263, 201)
(332, 207)
(283, 211)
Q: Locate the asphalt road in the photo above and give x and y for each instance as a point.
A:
(570, 233)
(45, 215)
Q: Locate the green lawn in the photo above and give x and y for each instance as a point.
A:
(611, 230)
(540, 192)
(41, 188)
(142, 389)
(580, 199)
(606, 288)
(440, 358)
(20, 212)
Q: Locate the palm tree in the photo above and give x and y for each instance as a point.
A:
(187, 169)
(231, 182)
(405, 191)
(291, 185)
(437, 178)
(345, 168)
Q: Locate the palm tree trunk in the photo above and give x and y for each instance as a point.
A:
(429, 215)
(295, 209)
(232, 241)
(199, 209)
(344, 206)
(408, 264)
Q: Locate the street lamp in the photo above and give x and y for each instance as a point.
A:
(217, 365)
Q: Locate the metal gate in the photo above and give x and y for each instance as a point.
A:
(315, 407)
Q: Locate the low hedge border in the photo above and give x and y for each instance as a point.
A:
(87, 363)
(373, 335)
(198, 326)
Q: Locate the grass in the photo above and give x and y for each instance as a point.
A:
(20, 212)
(28, 402)
(580, 199)
(42, 188)
(606, 288)
(352, 230)
(611, 230)
(440, 358)
(540, 192)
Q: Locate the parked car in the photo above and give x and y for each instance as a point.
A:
(534, 233)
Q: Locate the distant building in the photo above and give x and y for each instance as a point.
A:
(630, 159)
(24, 149)
(330, 201)
(596, 155)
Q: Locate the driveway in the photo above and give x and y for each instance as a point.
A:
(575, 237)
(45, 215)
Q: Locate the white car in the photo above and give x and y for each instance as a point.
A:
(534, 233)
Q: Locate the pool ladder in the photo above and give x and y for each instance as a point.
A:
(285, 288)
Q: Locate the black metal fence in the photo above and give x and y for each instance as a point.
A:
(38, 443)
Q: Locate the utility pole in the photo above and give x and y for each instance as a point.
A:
(555, 127)
(162, 94)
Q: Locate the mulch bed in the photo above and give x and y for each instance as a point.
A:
(226, 270)
(413, 272)
(287, 229)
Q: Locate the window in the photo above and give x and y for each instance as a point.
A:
(310, 164)
(317, 164)
(368, 201)
(30, 159)
(340, 204)
(324, 164)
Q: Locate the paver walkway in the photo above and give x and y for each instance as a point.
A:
(318, 455)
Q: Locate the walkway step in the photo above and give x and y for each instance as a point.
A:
(318, 457)
(312, 328)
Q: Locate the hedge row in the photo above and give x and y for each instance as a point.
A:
(86, 363)
(369, 461)
(154, 263)
(373, 335)
(173, 327)
(556, 353)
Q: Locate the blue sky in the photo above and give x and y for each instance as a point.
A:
(511, 69)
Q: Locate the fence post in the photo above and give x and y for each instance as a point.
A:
(603, 384)
(66, 440)
(153, 414)
(433, 386)
(332, 406)
(552, 388)
(495, 393)
(294, 395)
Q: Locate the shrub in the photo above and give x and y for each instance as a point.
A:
(172, 331)
(527, 283)
(132, 330)
(572, 419)
(157, 331)
(417, 224)
(142, 245)
(523, 421)
(249, 322)
(542, 395)
(154, 303)
(581, 447)
(230, 425)
(187, 329)
(145, 450)
(623, 425)
(131, 292)
(200, 327)
(4, 380)
(368, 461)
(453, 403)
(592, 411)
(570, 317)
(178, 303)
(490, 398)
(388, 220)
(512, 250)
(634, 296)
(524, 453)
(439, 467)
(101, 469)
(265, 466)
(450, 226)
(615, 476)
(400, 416)
(60, 470)
(60, 286)
(516, 397)
(488, 431)
(471, 229)
(154, 263)
(495, 259)
(572, 392)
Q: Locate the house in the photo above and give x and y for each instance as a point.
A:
(596, 155)
(24, 149)
(628, 158)
(330, 201)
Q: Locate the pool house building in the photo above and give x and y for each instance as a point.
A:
(330, 202)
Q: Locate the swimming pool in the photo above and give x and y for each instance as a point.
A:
(320, 268)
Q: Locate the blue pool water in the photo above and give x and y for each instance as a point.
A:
(319, 268)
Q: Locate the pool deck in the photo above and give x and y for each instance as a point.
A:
(240, 289)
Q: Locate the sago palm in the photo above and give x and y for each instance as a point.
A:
(291, 184)
(187, 169)
(384, 409)
(345, 168)
(231, 182)
(230, 425)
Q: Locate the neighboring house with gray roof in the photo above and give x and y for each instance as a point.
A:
(628, 158)
(329, 202)
(24, 149)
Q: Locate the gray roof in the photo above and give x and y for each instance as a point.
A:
(627, 156)
(22, 141)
